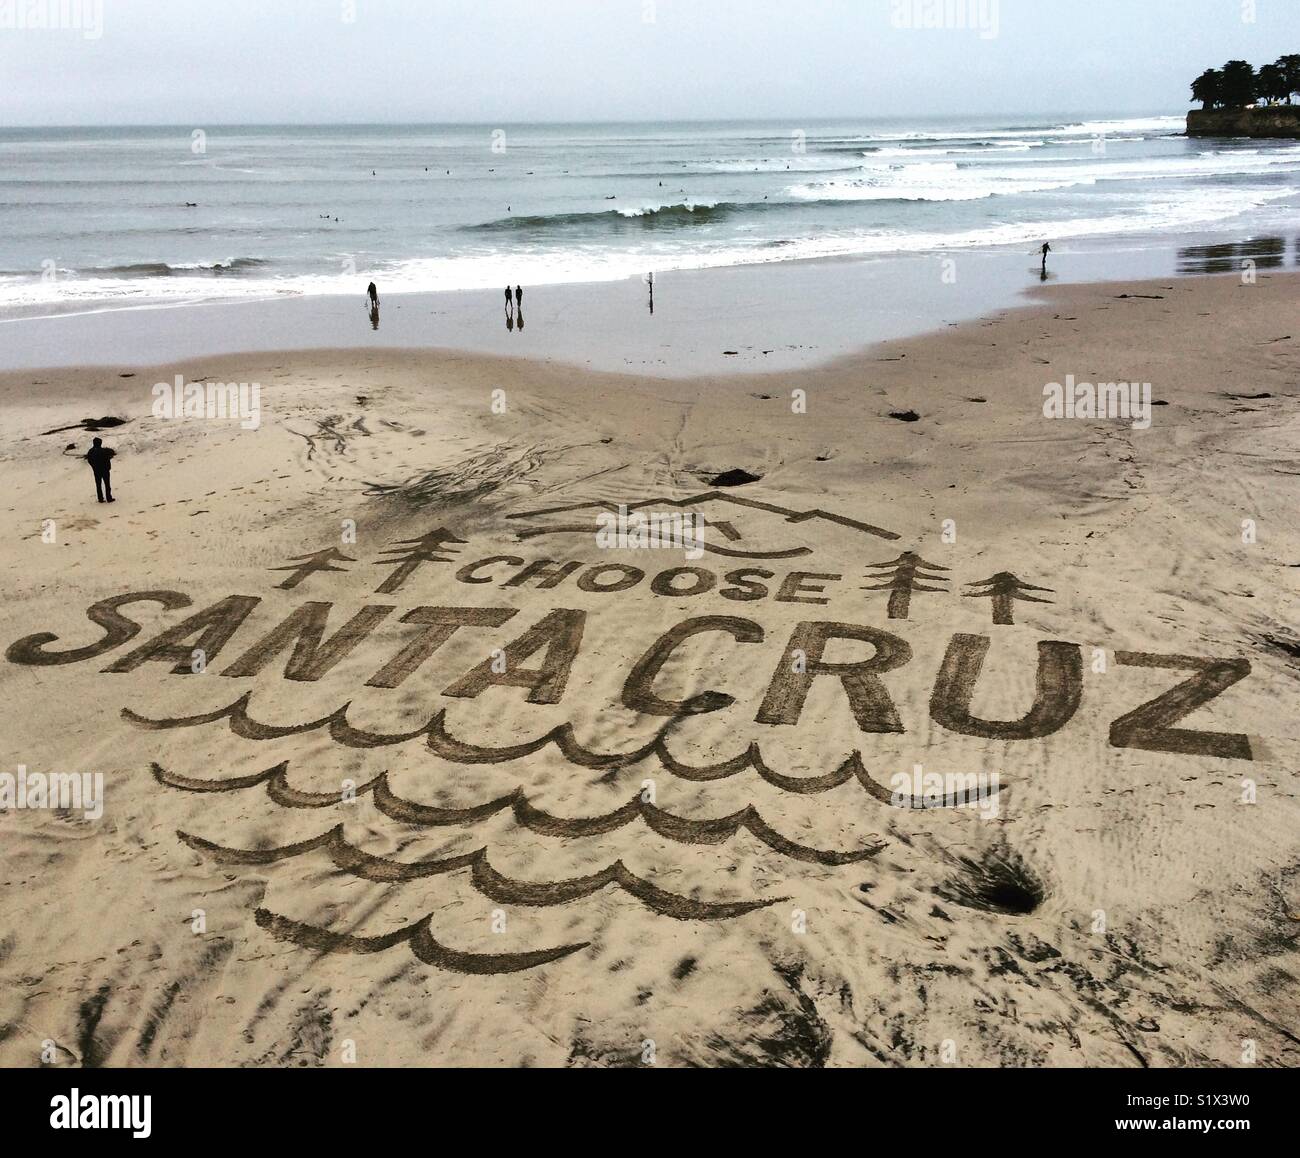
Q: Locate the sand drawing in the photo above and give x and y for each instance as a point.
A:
(1149, 727)
(904, 576)
(791, 516)
(1004, 589)
(411, 553)
(305, 565)
(553, 642)
(418, 936)
(446, 747)
(675, 828)
(485, 879)
(492, 884)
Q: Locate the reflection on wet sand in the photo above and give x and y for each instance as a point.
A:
(1230, 257)
(514, 310)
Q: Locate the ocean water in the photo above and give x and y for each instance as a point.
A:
(103, 218)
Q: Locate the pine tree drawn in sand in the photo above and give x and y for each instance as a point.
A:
(422, 550)
(305, 565)
(901, 577)
(1004, 589)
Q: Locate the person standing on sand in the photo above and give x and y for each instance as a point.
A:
(1046, 250)
(101, 462)
(373, 294)
(519, 297)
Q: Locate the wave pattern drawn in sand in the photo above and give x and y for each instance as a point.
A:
(418, 936)
(446, 746)
(486, 880)
(678, 829)
(494, 885)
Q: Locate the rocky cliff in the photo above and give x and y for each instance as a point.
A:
(1278, 121)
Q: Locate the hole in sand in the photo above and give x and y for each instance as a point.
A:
(999, 882)
(734, 478)
(905, 415)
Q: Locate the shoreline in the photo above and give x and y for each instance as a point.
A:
(1035, 300)
(786, 316)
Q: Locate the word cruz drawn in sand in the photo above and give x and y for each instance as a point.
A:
(539, 660)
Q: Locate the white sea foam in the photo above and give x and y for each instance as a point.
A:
(1180, 212)
(950, 181)
(1141, 126)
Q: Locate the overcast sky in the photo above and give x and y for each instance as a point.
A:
(200, 62)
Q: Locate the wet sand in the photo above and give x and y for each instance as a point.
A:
(770, 318)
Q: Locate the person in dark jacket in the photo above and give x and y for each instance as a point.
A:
(101, 462)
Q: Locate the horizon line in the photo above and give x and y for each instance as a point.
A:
(499, 122)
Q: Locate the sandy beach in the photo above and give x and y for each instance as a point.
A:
(402, 765)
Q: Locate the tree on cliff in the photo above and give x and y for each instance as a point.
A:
(1240, 84)
(1290, 66)
(1208, 88)
(1273, 84)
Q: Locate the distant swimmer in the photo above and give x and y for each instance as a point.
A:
(101, 462)
(373, 294)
